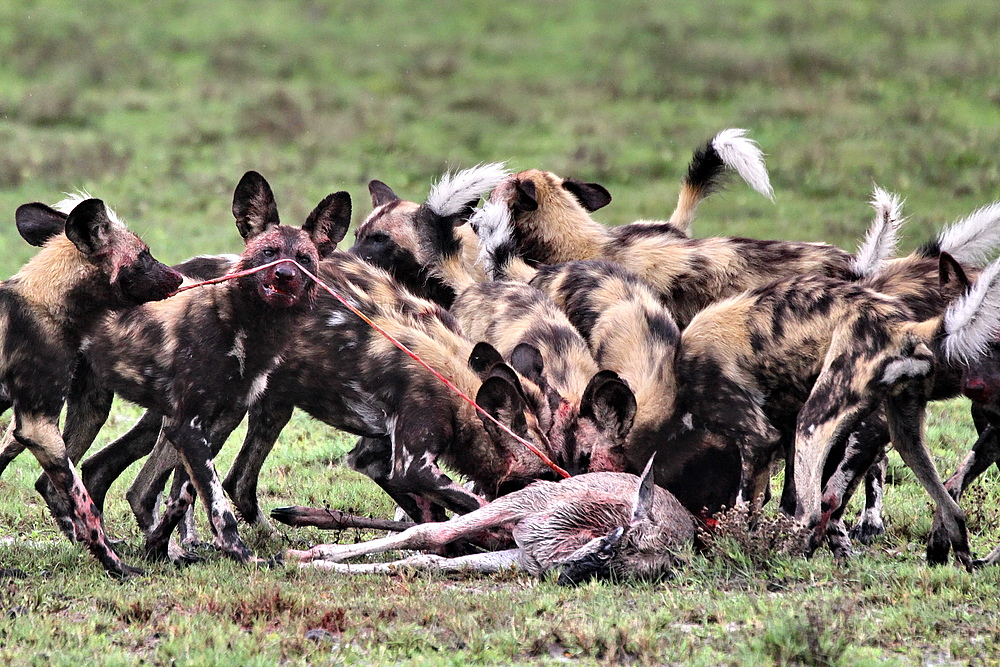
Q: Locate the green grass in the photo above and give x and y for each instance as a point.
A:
(159, 108)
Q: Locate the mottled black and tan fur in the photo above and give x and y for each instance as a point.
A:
(200, 358)
(591, 410)
(390, 236)
(89, 265)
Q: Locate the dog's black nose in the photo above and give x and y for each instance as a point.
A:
(284, 272)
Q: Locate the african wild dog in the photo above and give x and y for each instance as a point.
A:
(619, 313)
(915, 280)
(601, 525)
(199, 358)
(344, 373)
(591, 411)
(89, 265)
(631, 333)
(389, 237)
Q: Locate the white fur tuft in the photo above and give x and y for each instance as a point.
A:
(73, 199)
(494, 226)
(449, 195)
(881, 239)
(744, 156)
(974, 238)
(972, 322)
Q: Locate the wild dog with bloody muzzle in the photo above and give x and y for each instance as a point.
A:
(89, 265)
(199, 358)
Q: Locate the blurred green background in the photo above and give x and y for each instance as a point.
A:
(159, 108)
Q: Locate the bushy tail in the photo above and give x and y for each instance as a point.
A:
(73, 199)
(450, 202)
(452, 194)
(729, 149)
(972, 322)
(971, 240)
(498, 251)
(882, 237)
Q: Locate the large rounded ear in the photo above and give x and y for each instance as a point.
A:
(527, 360)
(610, 403)
(950, 270)
(591, 196)
(327, 224)
(502, 399)
(253, 206)
(483, 358)
(525, 196)
(88, 226)
(37, 223)
(381, 193)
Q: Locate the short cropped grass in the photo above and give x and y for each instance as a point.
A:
(159, 108)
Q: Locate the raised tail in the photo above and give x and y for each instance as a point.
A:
(972, 321)
(498, 249)
(971, 240)
(451, 202)
(729, 149)
(882, 237)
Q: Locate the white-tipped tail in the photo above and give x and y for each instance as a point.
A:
(973, 239)
(744, 156)
(73, 199)
(882, 237)
(454, 191)
(972, 322)
(494, 226)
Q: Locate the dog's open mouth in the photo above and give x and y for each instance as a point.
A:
(278, 297)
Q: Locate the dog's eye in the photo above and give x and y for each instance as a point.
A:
(269, 252)
(304, 260)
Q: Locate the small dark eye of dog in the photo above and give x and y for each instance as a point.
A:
(379, 237)
(304, 260)
(269, 252)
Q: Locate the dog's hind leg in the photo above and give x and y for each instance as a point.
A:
(266, 420)
(41, 435)
(101, 469)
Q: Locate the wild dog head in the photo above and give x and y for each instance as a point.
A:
(551, 215)
(284, 285)
(390, 236)
(587, 435)
(90, 245)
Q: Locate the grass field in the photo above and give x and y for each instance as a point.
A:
(160, 108)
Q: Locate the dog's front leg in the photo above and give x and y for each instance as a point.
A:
(905, 412)
(190, 439)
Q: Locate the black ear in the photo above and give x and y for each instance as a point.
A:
(381, 193)
(253, 205)
(88, 226)
(503, 401)
(610, 403)
(591, 196)
(526, 196)
(37, 223)
(483, 358)
(949, 269)
(527, 360)
(327, 224)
